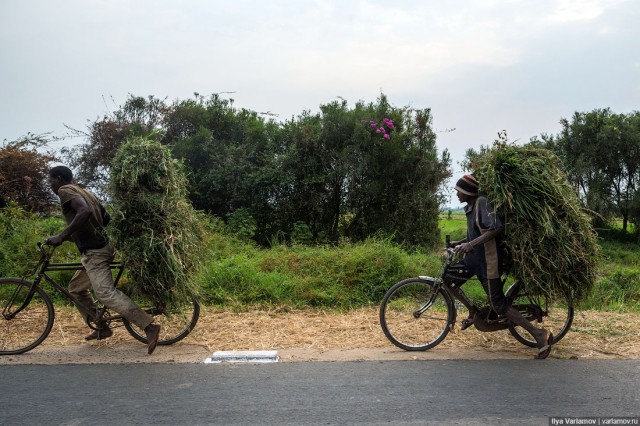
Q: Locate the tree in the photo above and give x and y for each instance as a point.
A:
(347, 180)
(24, 171)
(229, 154)
(601, 151)
(92, 161)
(319, 176)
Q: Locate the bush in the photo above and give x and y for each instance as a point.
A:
(345, 276)
(618, 291)
(20, 230)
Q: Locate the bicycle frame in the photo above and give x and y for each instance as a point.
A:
(45, 265)
(409, 320)
(484, 323)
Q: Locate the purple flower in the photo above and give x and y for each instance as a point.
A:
(386, 136)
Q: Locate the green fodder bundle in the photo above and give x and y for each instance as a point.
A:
(547, 233)
(154, 227)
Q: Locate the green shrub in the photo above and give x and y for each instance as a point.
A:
(20, 230)
(619, 290)
(344, 276)
(238, 274)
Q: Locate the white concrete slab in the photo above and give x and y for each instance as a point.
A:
(242, 356)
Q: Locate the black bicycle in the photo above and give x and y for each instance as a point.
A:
(28, 312)
(417, 314)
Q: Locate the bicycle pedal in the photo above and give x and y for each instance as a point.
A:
(466, 323)
(99, 334)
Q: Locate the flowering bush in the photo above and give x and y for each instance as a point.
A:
(383, 129)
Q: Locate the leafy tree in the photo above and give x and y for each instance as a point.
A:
(24, 171)
(601, 151)
(229, 154)
(346, 180)
(396, 187)
(315, 177)
(92, 161)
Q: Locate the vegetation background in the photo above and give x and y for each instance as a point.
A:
(322, 210)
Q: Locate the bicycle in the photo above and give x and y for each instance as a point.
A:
(416, 314)
(28, 312)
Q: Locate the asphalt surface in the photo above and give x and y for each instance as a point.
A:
(469, 392)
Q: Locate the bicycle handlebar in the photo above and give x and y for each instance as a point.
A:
(44, 254)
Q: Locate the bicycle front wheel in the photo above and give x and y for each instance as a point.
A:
(27, 316)
(175, 323)
(415, 315)
(555, 315)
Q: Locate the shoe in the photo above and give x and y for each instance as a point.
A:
(466, 323)
(544, 351)
(99, 334)
(153, 333)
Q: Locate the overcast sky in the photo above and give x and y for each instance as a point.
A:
(481, 66)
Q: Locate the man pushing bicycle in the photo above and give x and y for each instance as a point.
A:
(483, 256)
(86, 219)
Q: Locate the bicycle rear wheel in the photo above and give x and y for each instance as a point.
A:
(409, 322)
(175, 323)
(24, 323)
(555, 315)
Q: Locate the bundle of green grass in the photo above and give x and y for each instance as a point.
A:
(547, 233)
(154, 228)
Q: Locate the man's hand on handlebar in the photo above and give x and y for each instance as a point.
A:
(54, 241)
(459, 247)
(464, 248)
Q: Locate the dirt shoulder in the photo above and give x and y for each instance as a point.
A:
(314, 335)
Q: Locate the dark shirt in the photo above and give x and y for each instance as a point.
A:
(485, 260)
(90, 235)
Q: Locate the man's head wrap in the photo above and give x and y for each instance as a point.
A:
(468, 185)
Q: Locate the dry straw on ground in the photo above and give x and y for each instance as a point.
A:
(593, 334)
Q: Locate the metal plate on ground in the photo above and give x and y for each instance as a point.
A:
(242, 356)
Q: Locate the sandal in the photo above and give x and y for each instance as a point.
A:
(544, 351)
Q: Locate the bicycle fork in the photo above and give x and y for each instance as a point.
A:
(437, 285)
(10, 314)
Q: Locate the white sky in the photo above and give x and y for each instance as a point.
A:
(481, 65)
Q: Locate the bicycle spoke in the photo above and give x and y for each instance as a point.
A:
(409, 322)
(23, 326)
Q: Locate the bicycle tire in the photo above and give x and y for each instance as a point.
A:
(30, 326)
(557, 316)
(174, 325)
(401, 321)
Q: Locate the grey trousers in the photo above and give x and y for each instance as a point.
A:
(97, 274)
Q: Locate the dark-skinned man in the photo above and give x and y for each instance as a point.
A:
(86, 219)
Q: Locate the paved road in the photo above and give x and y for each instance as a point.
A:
(385, 392)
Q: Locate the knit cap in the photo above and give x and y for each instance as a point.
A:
(468, 185)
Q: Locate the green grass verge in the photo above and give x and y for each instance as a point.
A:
(240, 274)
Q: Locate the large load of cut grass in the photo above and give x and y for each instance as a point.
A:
(548, 234)
(154, 227)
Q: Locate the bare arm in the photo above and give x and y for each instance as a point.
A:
(466, 247)
(83, 212)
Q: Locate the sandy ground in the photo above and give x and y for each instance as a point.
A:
(315, 335)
